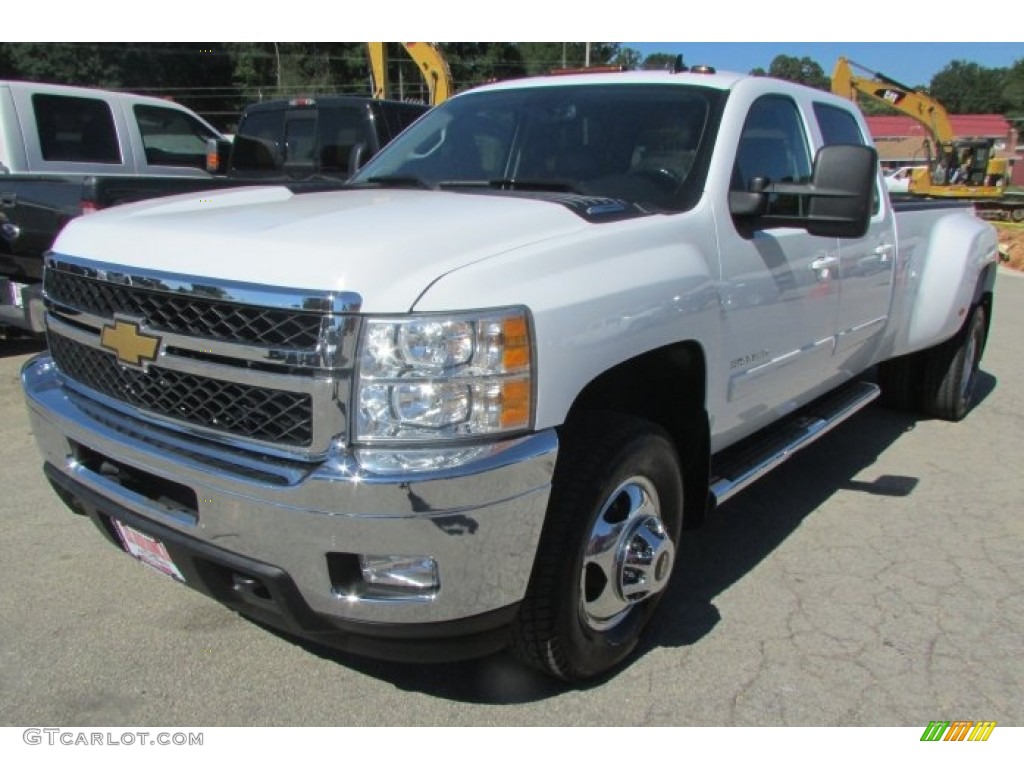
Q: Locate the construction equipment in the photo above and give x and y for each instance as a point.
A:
(965, 169)
(428, 58)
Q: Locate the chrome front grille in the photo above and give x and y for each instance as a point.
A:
(185, 314)
(243, 364)
(242, 410)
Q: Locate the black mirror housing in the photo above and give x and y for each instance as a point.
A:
(836, 203)
(844, 182)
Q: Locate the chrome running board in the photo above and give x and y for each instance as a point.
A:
(741, 465)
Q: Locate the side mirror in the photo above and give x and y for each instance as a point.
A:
(218, 151)
(836, 203)
(844, 185)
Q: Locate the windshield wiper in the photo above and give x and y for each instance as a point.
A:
(405, 182)
(537, 185)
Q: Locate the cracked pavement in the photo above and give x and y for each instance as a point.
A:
(876, 579)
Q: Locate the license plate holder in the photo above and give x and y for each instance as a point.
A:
(147, 550)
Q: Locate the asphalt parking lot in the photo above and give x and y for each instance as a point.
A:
(877, 579)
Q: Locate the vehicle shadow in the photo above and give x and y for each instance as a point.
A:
(709, 560)
(748, 528)
(21, 345)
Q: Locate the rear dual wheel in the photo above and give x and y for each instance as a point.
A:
(950, 371)
(607, 549)
(939, 381)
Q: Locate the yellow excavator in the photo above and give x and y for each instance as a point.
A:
(428, 58)
(957, 168)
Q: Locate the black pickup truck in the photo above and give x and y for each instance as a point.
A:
(315, 138)
(67, 151)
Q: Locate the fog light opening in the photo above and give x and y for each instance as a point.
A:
(412, 573)
(383, 577)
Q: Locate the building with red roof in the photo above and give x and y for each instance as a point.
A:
(901, 140)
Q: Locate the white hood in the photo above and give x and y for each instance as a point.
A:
(386, 245)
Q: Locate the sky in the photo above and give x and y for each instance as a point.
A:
(911, 63)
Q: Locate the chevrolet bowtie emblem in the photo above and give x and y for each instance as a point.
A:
(133, 347)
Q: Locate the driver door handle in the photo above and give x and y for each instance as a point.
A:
(823, 266)
(824, 262)
(884, 252)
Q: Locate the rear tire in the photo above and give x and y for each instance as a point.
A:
(951, 370)
(900, 381)
(607, 549)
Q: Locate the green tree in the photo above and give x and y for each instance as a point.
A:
(540, 58)
(6, 66)
(628, 58)
(662, 61)
(196, 74)
(280, 70)
(804, 70)
(1013, 89)
(964, 87)
(254, 69)
(474, 63)
(91, 64)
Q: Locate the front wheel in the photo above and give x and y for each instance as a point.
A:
(607, 549)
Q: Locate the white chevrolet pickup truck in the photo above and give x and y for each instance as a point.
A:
(473, 400)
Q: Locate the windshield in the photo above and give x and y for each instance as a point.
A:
(635, 143)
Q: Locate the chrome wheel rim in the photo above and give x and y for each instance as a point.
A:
(628, 557)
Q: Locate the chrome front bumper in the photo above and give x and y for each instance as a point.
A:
(481, 522)
(21, 306)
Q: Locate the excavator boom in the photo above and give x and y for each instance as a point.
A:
(917, 105)
(957, 169)
(428, 58)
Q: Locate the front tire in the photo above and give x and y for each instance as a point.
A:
(607, 549)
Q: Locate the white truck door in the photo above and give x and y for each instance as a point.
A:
(866, 263)
(779, 286)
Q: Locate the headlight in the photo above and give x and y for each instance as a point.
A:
(431, 377)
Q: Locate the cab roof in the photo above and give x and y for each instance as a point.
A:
(717, 80)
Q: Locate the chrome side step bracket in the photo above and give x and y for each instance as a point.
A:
(740, 466)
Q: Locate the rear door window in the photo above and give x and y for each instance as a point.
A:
(837, 125)
(75, 129)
